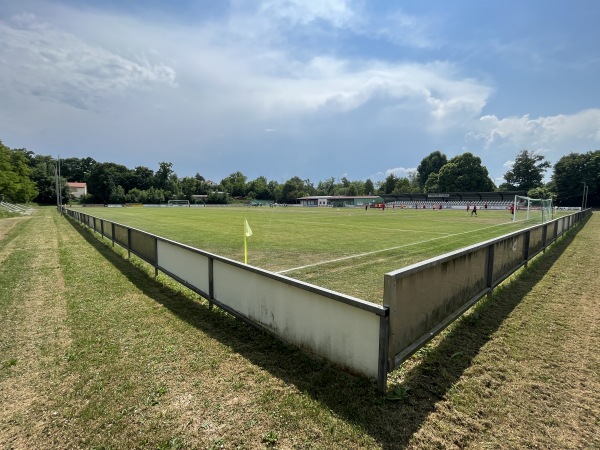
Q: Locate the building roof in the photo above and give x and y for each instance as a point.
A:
(455, 196)
(77, 185)
(338, 197)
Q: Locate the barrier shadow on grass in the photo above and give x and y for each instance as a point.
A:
(391, 421)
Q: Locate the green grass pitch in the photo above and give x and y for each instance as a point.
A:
(347, 249)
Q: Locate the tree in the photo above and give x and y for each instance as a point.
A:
(162, 176)
(292, 189)
(465, 173)
(260, 188)
(544, 192)
(570, 174)
(15, 182)
(76, 169)
(103, 181)
(235, 184)
(527, 171)
(433, 183)
(389, 185)
(430, 164)
(143, 178)
(369, 189)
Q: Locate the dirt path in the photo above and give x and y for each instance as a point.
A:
(34, 333)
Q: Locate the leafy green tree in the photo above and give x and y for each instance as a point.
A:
(465, 173)
(293, 189)
(102, 182)
(260, 188)
(527, 171)
(352, 191)
(189, 186)
(143, 178)
(326, 187)
(413, 178)
(162, 176)
(432, 163)
(43, 174)
(154, 196)
(544, 192)
(368, 189)
(76, 169)
(356, 188)
(117, 196)
(402, 186)
(571, 172)
(389, 184)
(433, 183)
(274, 190)
(235, 184)
(135, 195)
(15, 182)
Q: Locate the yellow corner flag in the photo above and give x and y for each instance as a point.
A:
(247, 233)
(247, 230)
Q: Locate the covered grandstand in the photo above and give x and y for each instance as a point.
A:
(493, 200)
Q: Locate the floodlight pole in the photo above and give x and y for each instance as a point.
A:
(585, 187)
(58, 186)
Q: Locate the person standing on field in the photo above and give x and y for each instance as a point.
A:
(474, 210)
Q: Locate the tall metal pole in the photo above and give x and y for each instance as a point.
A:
(583, 196)
(587, 191)
(56, 185)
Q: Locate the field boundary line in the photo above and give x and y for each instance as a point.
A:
(360, 255)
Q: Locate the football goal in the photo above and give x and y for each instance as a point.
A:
(534, 210)
(178, 203)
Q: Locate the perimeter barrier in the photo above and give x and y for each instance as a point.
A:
(426, 297)
(347, 331)
(359, 336)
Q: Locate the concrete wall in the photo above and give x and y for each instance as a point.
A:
(344, 330)
(426, 297)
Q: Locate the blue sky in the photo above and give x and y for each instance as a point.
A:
(315, 89)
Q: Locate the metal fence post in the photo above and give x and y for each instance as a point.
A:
(211, 283)
(490, 267)
(384, 339)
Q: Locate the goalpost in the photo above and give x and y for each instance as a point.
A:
(178, 203)
(534, 210)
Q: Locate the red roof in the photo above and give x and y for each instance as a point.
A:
(77, 185)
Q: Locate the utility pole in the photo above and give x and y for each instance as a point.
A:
(584, 196)
(58, 186)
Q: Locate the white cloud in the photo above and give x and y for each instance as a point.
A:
(541, 133)
(338, 12)
(52, 64)
(400, 172)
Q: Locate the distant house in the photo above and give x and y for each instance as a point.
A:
(77, 190)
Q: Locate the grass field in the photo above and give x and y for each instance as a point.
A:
(347, 250)
(97, 354)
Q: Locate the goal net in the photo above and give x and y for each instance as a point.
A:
(532, 210)
(178, 203)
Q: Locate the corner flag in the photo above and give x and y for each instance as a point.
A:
(247, 233)
(247, 229)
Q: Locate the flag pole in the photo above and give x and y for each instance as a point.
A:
(247, 234)
(245, 244)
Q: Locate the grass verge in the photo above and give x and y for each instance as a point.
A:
(115, 359)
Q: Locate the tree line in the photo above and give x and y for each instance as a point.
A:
(25, 177)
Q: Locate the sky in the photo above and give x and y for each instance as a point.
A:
(317, 89)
